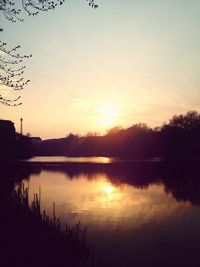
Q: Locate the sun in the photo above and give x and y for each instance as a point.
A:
(108, 115)
(108, 189)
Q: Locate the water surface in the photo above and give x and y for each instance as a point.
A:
(62, 159)
(136, 214)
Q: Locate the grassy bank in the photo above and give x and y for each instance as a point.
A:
(30, 237)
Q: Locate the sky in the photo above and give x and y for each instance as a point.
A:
(126, 62)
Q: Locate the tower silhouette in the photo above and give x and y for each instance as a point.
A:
(21, 126)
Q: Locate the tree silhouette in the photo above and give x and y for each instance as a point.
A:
(187, 122)
(11, 62)
(11, 72)
(10, 10)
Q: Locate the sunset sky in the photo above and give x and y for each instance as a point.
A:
(128, 61)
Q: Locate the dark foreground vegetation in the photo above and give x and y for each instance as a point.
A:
(179, 139)
(29, 237)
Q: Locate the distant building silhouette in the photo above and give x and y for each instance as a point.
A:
(21, 126)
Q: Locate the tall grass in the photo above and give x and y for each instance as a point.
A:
(75, 233)
(32, 238)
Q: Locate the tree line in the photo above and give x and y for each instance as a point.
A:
(180, 138)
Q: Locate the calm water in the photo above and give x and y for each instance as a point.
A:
(137, 214)
(61, 159)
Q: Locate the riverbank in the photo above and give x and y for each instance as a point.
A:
(31, 238)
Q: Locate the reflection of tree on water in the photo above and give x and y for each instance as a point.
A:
(181, 179)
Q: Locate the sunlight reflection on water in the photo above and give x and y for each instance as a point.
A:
(124, 220)
(61, 159)
(95, 200)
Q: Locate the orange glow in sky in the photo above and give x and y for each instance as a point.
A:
(126, 62)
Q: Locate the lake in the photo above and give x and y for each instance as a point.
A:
(137, 213)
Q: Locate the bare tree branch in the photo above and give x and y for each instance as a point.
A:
(11, 71)
(11, 61)
(10, 9)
